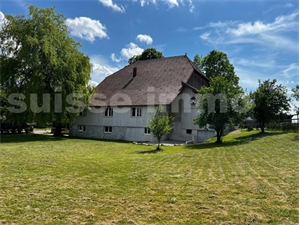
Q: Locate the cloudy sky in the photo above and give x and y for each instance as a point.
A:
(260, 37)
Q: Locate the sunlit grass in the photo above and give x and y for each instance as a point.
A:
(250, 179)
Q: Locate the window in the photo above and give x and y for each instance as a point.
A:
(107, 129)
(147, 131)
(108, 111)
(189, 131)
(136, 111)
(81, 128)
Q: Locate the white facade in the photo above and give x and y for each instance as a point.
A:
(130, 122)
(121, 125)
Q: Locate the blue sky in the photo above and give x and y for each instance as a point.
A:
(260, 37)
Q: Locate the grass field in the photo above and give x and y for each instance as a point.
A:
(250, 179)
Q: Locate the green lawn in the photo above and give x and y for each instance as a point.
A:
(250, 179)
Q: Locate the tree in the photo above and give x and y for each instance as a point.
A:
(221, 104)
(217, 64)
(198, 61)
(270, 99)
(161, 125)
(149, 53)
(295, 91)
(295, 95)
(41, 63)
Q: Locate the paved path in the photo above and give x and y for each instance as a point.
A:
(42, 131)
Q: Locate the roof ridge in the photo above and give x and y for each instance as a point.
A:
(169, 57)
(196, 68)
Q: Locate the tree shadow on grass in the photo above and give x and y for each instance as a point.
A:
(149, 151)
(98, 139)
(234, 141)
(18, 138)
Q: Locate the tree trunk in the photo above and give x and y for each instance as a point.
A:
(57, 131)
(219, 136)
(262, 127)
(158, 144)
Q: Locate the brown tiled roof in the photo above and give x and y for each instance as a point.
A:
(155, 78)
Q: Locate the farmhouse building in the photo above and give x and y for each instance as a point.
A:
(126, 100)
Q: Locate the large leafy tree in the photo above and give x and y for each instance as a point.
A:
(161, 125)
(270, 99)
(221, 104)
(44, 65)
(217, 64)
(149, 53)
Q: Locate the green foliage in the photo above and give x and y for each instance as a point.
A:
(161, 125)
(198, 61)
(217, 64)
(3, 108)
(38, 57)
(249, 128)
(149, 53)
(295, 95)
(296, 92)
(270, 99)
(232, 104)
(221, 104)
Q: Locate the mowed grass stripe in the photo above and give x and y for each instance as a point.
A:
(250, 179)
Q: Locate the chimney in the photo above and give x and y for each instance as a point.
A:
(134, 72)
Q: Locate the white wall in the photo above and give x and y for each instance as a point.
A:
(124, 125)
(184, 114)
(121, 117)
(127, 127)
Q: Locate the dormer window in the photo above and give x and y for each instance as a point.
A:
(136, 111)
(108, 111)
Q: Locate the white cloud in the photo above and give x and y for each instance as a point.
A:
(282, 23)
(205, 36)
(86, 28)
(131, 50)
(93, 83)
(181, 29)
(82, 27)
(110, 4)
(100, 69)
(272, 34)
(114, 58)
(170, 3)
(268, 63)
(1, 16)
(145, 38)
(191, 5)
(147, 2)
(288, 5)
(2, 19)
(252, 70)
(291, 71)
(278, 7)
